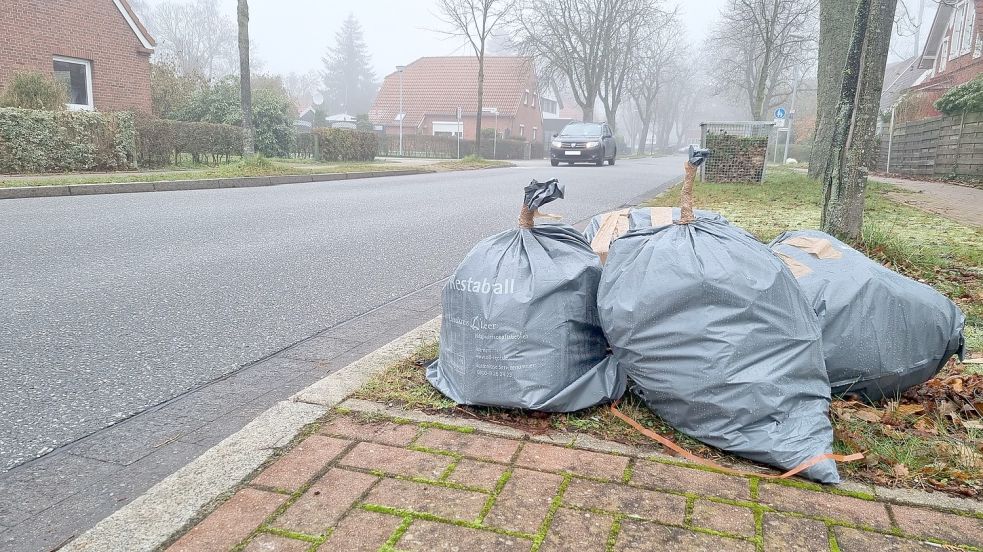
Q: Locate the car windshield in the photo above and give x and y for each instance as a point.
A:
(582, 129)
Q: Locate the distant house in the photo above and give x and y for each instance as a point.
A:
(433, 88)
(98, 48)
(953, 53)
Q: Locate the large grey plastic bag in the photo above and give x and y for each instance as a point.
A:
(720, 342)
(520, 326)
(882, 332)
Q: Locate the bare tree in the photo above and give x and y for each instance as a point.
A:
(629, 23)
(568, 36)
(845, 180)
(474, 21)
(756, 46)
(245, 84)
(655, 63)
(197, 37)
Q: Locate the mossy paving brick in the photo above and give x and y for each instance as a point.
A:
(524, 501)
(582, 462)
(473, 473)
(387, 433)
(643, 536)
(689, 480)
(426, 536)
(396, 461)
(429, 499)
(362, 531)
(231, 522)
(854, 540)
(577, 530)
(265, 542)
(855, 511)
(611, 497)
(325, 502)
(783, 532)
(947, 527)
(469, 444)
(300, 464)
(723, 517)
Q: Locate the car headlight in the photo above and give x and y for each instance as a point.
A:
(593, 144)
(555, 143)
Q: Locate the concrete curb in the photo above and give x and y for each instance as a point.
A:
(154, 517)
(203, 184)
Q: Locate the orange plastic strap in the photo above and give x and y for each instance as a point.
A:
(668, 443)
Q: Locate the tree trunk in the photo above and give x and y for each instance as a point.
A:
(245, 86)
(835, 27)
(481, 101)
(845, 179)
(644, 136)
(588, 112)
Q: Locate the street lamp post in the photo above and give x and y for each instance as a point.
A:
(401, 115)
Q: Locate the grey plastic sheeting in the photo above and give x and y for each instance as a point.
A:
(720, 342)
(520, 326)
(882, 332)
(641, 217)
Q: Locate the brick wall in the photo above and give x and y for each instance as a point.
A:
(32, 31)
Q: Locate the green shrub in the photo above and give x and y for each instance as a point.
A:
(273, 113)
(34, 141)
(161, 141)
(339, 144)
(33, 90)
(965, 98)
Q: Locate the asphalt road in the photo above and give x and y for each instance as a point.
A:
(112, 304)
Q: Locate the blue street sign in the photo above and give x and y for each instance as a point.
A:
(780, 113)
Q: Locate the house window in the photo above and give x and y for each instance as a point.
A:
(448, 128)
(522, 130)
(534, 100)
(967, 40)
(76, 76)
(525, 98)
(535, 130)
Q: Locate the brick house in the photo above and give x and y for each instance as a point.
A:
(953, 55)
(98, 48)
(433, 88)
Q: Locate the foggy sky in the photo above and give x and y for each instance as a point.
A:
(292, 35)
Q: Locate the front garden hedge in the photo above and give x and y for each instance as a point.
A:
(33, 141)
(339, 144)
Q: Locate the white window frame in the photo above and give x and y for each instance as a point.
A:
(459, 125)
(91, 106)
(969, 29)
(522, 131)
(944, 54)
(535, 131)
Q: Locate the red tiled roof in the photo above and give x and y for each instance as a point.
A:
(439, 85)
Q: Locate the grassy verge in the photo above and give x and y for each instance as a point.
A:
(237, 169)
(471, 162)
(244, 168)
(932, 437)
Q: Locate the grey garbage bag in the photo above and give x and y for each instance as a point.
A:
(882, 332)
(720, 342)
(607, 227)
(520, 326)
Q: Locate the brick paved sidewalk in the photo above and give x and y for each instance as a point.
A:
(357, 485)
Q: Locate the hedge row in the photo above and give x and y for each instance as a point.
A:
(339, 144)
(446, 147)
(45, 141)
(163, 141)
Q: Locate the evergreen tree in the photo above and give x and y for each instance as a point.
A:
(349, 82)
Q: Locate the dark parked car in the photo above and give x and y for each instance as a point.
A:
(584, 143)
